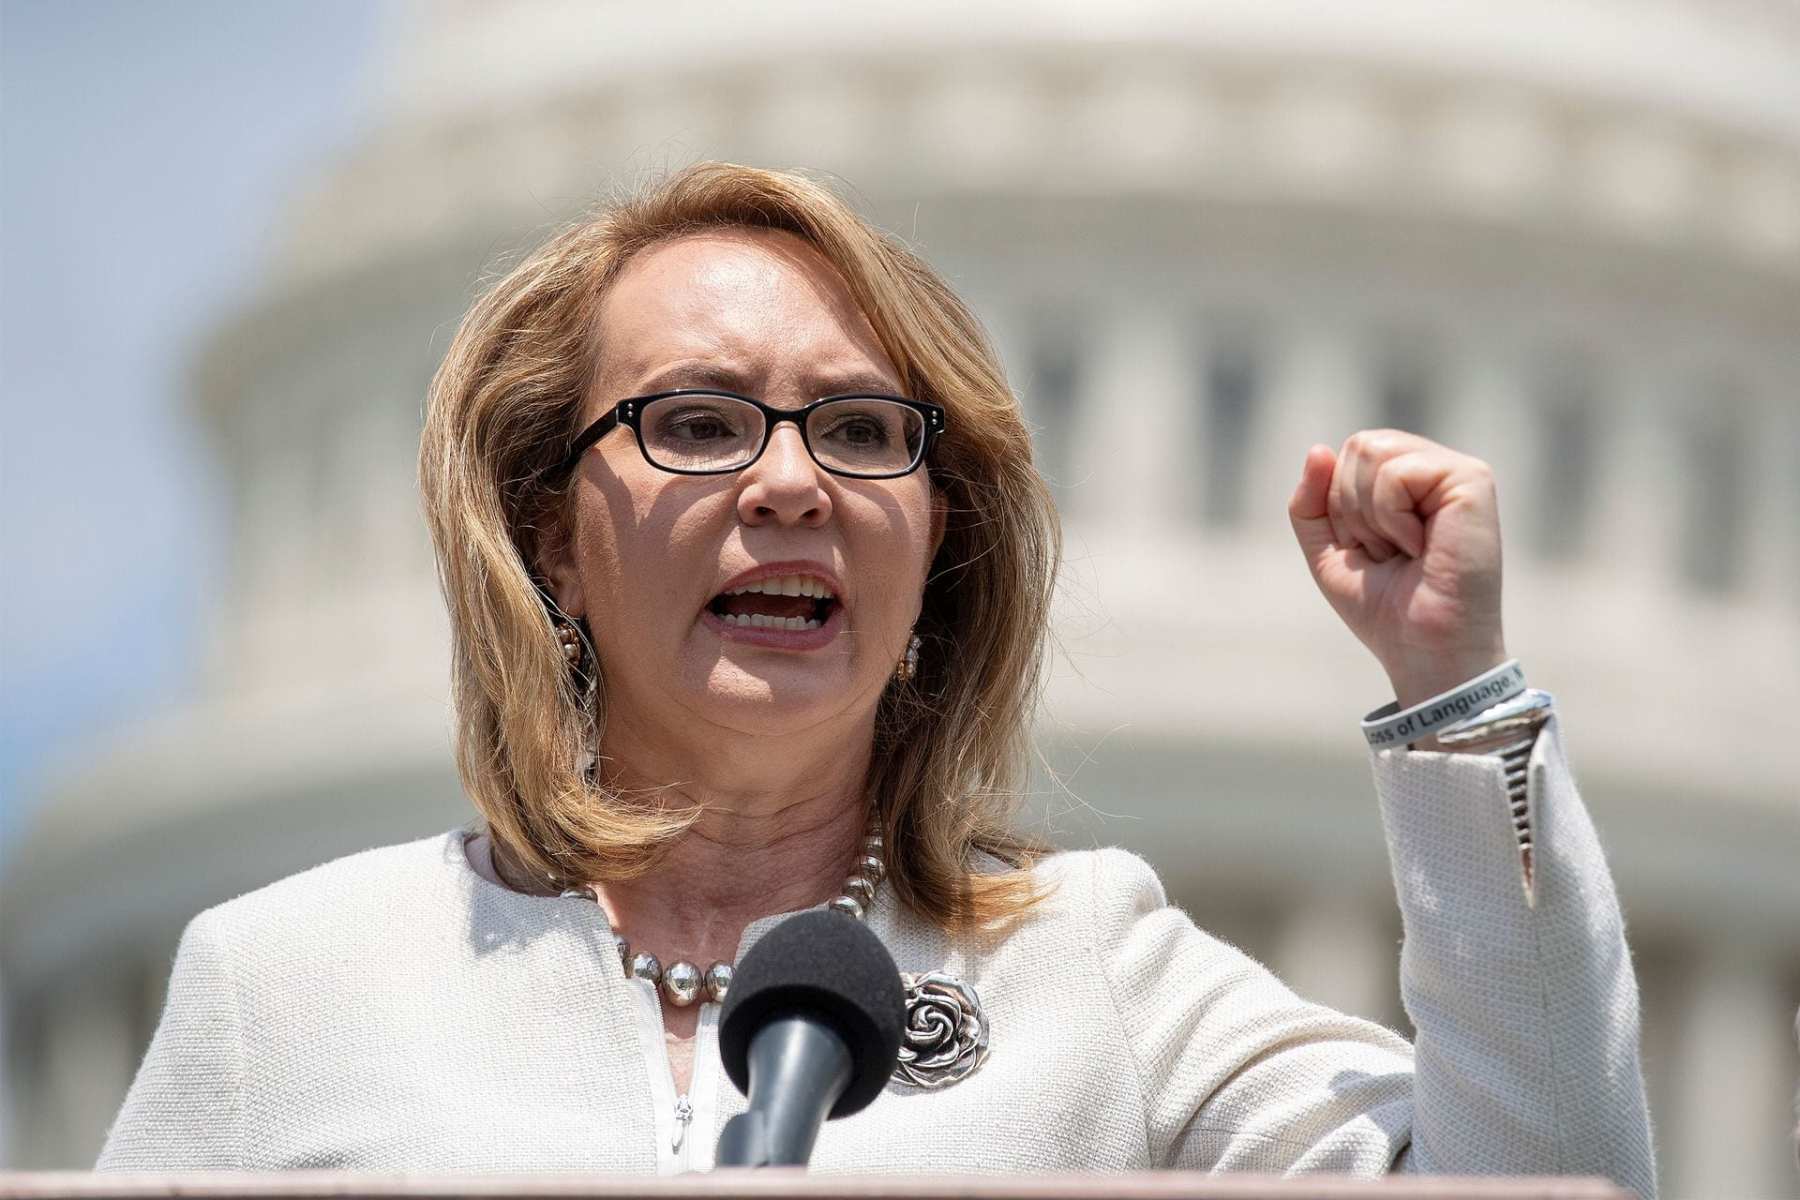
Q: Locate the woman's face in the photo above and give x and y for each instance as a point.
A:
(654, 554)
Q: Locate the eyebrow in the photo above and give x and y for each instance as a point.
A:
(718, 375)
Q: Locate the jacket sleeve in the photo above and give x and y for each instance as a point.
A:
(185, 1108)
(1520, 986)
(1526, 1009)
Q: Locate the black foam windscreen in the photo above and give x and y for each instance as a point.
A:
(832, 968)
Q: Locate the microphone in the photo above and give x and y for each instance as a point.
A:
(811, 1030)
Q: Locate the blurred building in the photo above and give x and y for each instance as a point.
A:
(1565, 237)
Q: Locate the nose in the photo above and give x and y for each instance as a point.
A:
(785, 485)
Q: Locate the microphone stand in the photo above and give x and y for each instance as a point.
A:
(798, 1069)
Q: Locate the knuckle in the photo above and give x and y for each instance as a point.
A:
(1387, 443)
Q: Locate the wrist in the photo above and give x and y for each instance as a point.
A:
(1437, 674)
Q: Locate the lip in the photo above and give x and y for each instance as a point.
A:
(793, 566)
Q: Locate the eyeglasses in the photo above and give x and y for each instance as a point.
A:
(698, 431)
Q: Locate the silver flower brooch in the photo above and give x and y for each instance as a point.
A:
(946, 1036)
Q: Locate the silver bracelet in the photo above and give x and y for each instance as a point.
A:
(1507, 731)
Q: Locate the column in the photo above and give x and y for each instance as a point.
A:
(1734, 1079)
(1136, 421)
(1639, 492)
(1047, 361)
(1231, 379)
(1013, 328)
(1318, 391)
(1772, 543)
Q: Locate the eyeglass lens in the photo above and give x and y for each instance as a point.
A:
(856, 436)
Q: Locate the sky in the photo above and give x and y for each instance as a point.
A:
(146, 155)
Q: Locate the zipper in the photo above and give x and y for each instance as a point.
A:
(684, 1115)
(684, 1110)
(664, 1103)
(684, 1123)
(701, 1148)
(694, 1110)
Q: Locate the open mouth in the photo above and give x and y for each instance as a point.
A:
(796, 602)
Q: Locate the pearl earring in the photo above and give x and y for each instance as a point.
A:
(909, 662)
(574, 646)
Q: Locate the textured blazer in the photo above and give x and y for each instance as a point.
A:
(394, 1010)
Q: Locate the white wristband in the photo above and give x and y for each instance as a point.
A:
(1387, 726)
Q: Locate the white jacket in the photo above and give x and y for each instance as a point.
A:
(394, 1010)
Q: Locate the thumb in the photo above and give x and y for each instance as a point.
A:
(1308, 507)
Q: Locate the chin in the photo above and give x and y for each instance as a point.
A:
(776, 699)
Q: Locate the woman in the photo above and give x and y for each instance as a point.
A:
(749, 572)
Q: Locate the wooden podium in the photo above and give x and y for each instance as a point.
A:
(787, 1184)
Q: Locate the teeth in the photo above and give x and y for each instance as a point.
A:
(763, 621)
(786, 585)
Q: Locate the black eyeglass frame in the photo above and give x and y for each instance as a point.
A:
(629, 412)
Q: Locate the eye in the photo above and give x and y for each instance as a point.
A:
(696, 425)
(859, 430)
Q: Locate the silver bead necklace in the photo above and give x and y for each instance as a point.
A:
(682, 982)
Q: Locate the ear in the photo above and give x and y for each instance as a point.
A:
(557, 565)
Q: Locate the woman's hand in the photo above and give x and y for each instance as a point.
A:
(1403, 537)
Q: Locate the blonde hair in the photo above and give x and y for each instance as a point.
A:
(950, 745)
